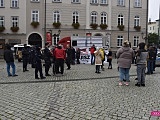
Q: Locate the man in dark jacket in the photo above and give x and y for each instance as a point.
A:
(8, 57)
(47, 59)
(25, 56)
(68, 57)
(38, 63)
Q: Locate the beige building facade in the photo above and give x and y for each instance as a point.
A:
(112, 13)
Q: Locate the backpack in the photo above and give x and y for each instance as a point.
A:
(151, 55)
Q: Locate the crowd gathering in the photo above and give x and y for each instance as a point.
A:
(57, 56)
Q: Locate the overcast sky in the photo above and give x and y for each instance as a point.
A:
(154, 9)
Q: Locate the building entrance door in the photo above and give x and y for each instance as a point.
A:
(35, 39)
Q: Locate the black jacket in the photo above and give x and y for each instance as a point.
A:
(8, 56)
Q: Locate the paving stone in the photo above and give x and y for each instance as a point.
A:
(78, 95)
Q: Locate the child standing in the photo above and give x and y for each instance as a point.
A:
(141, 55)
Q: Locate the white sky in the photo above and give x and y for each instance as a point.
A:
(153, 12)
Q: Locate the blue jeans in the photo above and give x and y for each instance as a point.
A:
(150, 66)
(13, 68)
(124, 74)
(141, 73)
(92, 59)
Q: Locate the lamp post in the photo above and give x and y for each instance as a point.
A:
(44, 21)
(128, 18)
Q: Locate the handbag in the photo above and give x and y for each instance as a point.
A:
(109, 57)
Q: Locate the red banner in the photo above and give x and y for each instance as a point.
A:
(49, 38)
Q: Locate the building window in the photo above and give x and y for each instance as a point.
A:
(14, 3)
(56, 16)
(137, 3)
(56, 39)
(120, 19)
(103, 2)
(150, 28)
(153, 27)
(120, 2)
(136, 21)
(35, 0)
(35, 16)
(75, 1)
(75, 35)
(94, 18)
(14, 21)
(119, 41)
(135, 41)
(75, 16)
(103, 18)
(1, 21)
(56, 1)
(94, 1)
(1, 3)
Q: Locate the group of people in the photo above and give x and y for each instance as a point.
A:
(55, 57)
(98, 56)
(145, 58)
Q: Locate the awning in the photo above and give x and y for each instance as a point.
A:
(65, 41)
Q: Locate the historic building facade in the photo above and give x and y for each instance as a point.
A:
(115, 20)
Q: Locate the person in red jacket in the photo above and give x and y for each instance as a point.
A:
(92, 50)
(59, 59)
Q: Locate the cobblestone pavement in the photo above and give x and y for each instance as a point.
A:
(80, 94)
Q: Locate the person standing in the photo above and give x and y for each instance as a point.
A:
(47, 59)
(38, 63)
(25, 56)
(109, 59)
(124, 56)
(68, 57)
(141, 55)
(98, 60)
(150, 61)
(78, 52)
(92, 50)
(102, 57)
(59, 59)
(73, 55)
(8, 57)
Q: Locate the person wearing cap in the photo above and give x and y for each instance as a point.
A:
(124, 56)
(47, 59)
(8, 57)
